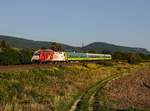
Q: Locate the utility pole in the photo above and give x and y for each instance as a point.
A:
(82, 44)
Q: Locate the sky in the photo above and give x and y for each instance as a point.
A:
(120, 22)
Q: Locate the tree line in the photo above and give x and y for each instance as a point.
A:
(132, 58)
(13, 56)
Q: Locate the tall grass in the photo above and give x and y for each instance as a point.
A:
(52, 89)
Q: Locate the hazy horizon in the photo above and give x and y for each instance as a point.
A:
(124, 23)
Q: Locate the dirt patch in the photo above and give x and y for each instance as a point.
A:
(130, 91)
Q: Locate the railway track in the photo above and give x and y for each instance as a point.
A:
(87, 101)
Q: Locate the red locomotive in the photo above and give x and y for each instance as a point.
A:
(45, 55)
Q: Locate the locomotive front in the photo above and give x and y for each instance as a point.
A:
(47, 55)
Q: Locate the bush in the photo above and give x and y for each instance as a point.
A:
(134, 59)
(25, 56)
(9, 57)
(131, 58)
(13, 57)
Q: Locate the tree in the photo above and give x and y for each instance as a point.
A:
(56, 46)
(131, 58)
(43, 47)
(25, 56)
(106, 52)
(9, 57)
(3, 45)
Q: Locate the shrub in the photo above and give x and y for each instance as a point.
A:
(134, 59)
(12, 56)
(9, 57)
(25, 56)
(131, 58)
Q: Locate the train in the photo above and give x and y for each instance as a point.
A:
(48, 55)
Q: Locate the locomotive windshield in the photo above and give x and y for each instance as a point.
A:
(36, 53)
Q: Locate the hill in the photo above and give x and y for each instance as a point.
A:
(96, 46)
(25, 43)
(101, 47)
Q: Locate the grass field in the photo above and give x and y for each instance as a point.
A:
(54, 88)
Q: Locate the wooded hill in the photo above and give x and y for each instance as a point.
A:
(96, 46)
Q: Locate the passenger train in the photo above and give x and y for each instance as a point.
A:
(48, 55)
